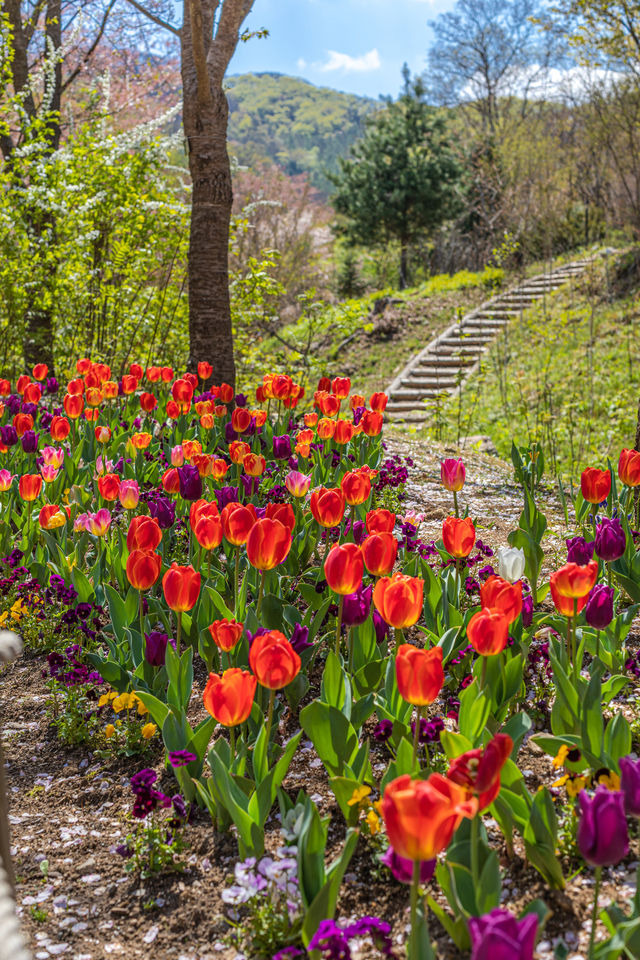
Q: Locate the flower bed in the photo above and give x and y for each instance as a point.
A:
(226, 595)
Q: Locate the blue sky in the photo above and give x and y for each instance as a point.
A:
(354, 45)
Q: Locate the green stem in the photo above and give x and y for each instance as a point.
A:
(475, 837)
(272, 699)
(594, 510)
(455, 503)
(179, 634)
(416, 741)
(235, 582)
(339, 625)
(260, 592)
(594, 914)
(141, 615)
(570, 643)
(483, 674)
(232, 743)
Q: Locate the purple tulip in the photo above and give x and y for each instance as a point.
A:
(499, 936)
(52, 385)
(402, 869)
(356, 606)
(630, 785)
(527, 611)
(250, 484)
(240, 400)
(13, 403)
(8, 436)
(599, 609)
(29, 441)
(358, 414)
(579, 551)
(229, 433)
(155, 648)
(164, 511)
(282, 447)
(190, 482)
(359, 532)
(603, 840)
(382, 628)
(226, 495)
(30, 408)
(299, 639)
(611, 539)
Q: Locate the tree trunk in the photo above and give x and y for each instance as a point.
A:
(403, 279)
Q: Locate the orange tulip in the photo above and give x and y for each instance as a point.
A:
(226, 392)
(144, 533)
(40, 371)
(59, 428)
(629, 467)
(208, 532)
(143, 568)
(226, 633)
(419, 673)
(371, 423)
(148, 402)
(329, 404)
(282, 512)
(129, 384)
(237, 521)
(567, 606)
(573, 580)
(110, 389)
(458, 536)
(254, 465)
(273, 660)
(421, 816)
(379, 551)
(204, 463)
(29, 486)
(344, 432)
(171, 480)
(109, 486)
(327, 506)
(595, 484)
(380, 521)
(102, 434)
(32, 393)
(205, 370)
(499, 594)
(343, 568)
(341, 387)
(356, 487)
(241, 419)
(22, 422)
(75, 387)
(268, 544)
(73, 405)
(378, 402)
(398, 599)
(229, 698)
(166, 374)
(219, 468)
(202, 508)
(325, 429)
(356, 400)
(153, 374)
(478, 771)
(238, 450)
(311, 420)
(488, 632)
(181, 587)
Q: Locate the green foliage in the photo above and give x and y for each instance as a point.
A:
(300, 127)
(400, 181)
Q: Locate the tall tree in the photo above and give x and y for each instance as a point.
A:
(209, 35)
(400, 181)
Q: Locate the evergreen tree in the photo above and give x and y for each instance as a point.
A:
(401, 180)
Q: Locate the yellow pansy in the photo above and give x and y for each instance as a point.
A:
(359, 794)
(575, 785)
(109, 730)
(373, 821)
(560, 757)
(148, 730)
(121, 702)
(609, 780)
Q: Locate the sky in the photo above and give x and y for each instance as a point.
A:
(357, 46)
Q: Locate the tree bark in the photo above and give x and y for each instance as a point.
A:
(404, 268)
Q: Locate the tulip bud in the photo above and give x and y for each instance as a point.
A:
(452, 475)
(598, 611)
(499, 934)
(611, 539)
(603, 839)
(630, 785)
(511, 563)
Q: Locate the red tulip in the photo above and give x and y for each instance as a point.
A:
(237, 521)
(499, 594)
(356, 487)
(478, 771)
(226, 633)
(458, 536)
(144, 533)
(629, 467)
(327, 506)
(143, 569)
(595, 484)
(181, 587)
(29, 486)
(229, 698)
(379, 551)
(380, 521)
(419, 674)
(398, 599)
(421, 816)
(268, 544)
(273, 660)
(488, 632)
(343, 568)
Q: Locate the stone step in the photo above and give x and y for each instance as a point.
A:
(429, 383)
(415, 396)
(467, 350)
(441, 363)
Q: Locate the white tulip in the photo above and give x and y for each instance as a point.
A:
(511, 563)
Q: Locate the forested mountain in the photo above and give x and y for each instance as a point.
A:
(284, 120)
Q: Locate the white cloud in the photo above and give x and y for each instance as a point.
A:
(342, 61)
(301, 63)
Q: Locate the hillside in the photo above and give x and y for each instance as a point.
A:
(284, 120)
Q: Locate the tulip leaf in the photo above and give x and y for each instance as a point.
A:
(475, 707)
(456, 927)
(332, 735)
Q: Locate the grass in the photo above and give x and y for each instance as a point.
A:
(566, 375)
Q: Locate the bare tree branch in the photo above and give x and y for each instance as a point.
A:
(98, 37)
(152, 16)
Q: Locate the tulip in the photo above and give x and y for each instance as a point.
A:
(399, 599)
(478, 771)
(371, 423)
(6, 479)
(356, 606)
(379, 552)
(273, 660)
(630, 785)
(109, 486)
(229, 698)
(268, 544)
(488, 632)
(356, 487)
(511, 563)
(29, 486)
(163, 511)
(297, 484)
(40, 371)
(51, 517)
(144, 533)
(579, 550)
(181, 587)
(341, 387)
(148, 402)
(98, 523)
(567, 606)
(598, 610)
(499, 594)
(282, 512)
(155, 648)
(73, 405)
(452, 476)
(344, 432)
(419, 674)
(602, 830)
(237, 521)
(343, 568)
(22, 423)
(205, 370)
(143, 569)
(171, 480)
(59, 428)
(574, 581)
(226, 633)
(458, 536)
(282, 447)
(595, 485)
(30, 441)
(499, 936)
(8, 435)
(254, 465)
(629, 467)
(402, 869)
(208, 532)
(611, 539)
(380, 521)
(49, 472)
(240, 420)
(327, 506)
(378, 402)
(102, 434)
(190, 482)
(129, 494)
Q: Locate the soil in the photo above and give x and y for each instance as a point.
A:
(69, 810)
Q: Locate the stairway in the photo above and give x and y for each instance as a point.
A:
(445, 364)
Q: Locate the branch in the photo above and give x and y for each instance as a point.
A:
(98, 37)
(152, 16)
